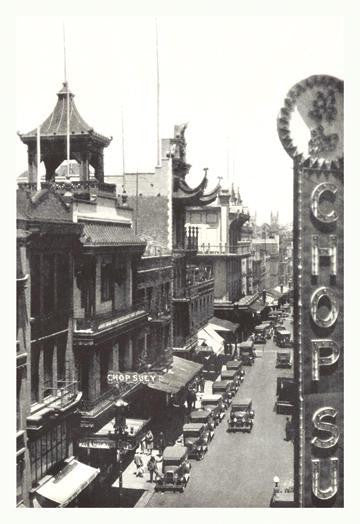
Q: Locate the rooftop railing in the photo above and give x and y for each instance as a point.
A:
(61, 396)
(241, 248)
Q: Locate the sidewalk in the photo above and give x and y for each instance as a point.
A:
(131, 481)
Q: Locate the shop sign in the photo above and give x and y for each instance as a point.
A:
(131, 377)
(317, 104)
(95, 443)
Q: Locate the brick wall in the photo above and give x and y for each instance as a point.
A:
(152, 217)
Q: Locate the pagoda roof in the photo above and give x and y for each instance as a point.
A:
(56, 123)
(194, 196)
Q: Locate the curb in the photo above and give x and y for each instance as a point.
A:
(144, 499)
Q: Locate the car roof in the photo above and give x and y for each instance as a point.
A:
(199, 413)
(228, 372)
(192, 426)
(241, 402)
(174, 453)
(285, 332)
(246, 344)
(221, 383)
(284, 352)
(211, 398)
(233, 363)
(261, 326)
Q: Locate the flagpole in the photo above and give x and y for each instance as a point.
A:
(123, 147)
(38, 159)
(67, 110)
(157, 95)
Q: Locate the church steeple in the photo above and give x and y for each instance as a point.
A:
(87, 146)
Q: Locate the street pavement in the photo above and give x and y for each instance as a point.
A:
(238, 469)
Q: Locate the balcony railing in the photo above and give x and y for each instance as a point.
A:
(61, 396)
(194, 289)
(242, 248)
(100, 322)
(190, 239)
(75, 187)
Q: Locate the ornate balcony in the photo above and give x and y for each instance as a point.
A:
(241, 248)
(98, 325)
(79, 188)
(189, 242)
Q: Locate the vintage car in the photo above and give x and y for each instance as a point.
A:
(284, 359)
(241, 415)
(196, 438)
(286, 395)
(283, 338)
(260, 334)
(230, 374)
(268, 329)
(237, 366)
(175, 469)
(208, 359)
(214, 404)
(223, 388)
(247, 353)
(203, 416)
(278, 329)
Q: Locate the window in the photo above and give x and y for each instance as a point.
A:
(211, 218)
(35, 357)
(48, 369)
(35, 285)
(19, 480)
(49, 283)
(48, 450)
(19, 377)
(104, 368)
(62, 281)
(61, 351)
(106, 282)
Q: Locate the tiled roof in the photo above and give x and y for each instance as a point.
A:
(109, 234)
(56, 123)
(247, 300)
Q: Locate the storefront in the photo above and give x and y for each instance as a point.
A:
(64, 488)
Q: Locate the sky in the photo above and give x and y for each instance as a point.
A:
(226, 76)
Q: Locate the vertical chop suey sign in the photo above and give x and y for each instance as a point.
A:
(310, 127)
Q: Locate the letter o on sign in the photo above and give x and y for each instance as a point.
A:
(324, 293)
(319, 191)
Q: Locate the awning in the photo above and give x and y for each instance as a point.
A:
(63, 487)
(177, 377)
(212, 339)
(219, 324)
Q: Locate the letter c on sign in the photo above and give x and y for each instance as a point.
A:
(325, 218)
(325, 426)
(330, 319)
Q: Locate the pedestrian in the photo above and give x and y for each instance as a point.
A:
(202, 384)
(288, 429)
(149, 440)
(139, 465)
(143, 446)
(152, 468)
(189, 398)
(193, 399)
(161, 442)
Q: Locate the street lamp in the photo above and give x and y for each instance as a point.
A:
(119, 433)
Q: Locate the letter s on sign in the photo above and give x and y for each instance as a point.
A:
(325, 426)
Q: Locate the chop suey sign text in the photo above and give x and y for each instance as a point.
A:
(318, 284)
(131, 377)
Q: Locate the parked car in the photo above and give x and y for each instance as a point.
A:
(260, 334)
(284, 359)
(247, 353)
(175, 469)
(238, 367)
(283, 338)
(230, 374)
(286, 395)
(241, 416)
(223, 387)
(214, 404)
(202, 416)
(196, 438)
